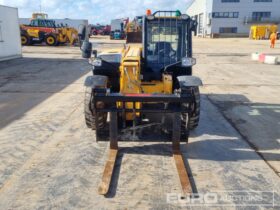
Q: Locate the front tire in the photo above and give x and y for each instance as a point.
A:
(195, 114)
(89, 118)
(190, 121)
(93, 120)
(51, 40)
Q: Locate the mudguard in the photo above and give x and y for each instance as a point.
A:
(189, 81)
(96, 81)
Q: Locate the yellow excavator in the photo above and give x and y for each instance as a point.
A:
(137, 83)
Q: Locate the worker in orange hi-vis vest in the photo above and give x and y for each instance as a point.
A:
(273, 38)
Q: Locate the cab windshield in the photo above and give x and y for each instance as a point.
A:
(166, 42)
(43, 23)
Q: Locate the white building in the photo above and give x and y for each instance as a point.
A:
(10, 43)
(232, 17)
(75, 23)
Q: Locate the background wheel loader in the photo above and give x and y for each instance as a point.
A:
(132, 85)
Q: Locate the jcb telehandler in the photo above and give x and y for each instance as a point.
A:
(133, 84)
(45, 30)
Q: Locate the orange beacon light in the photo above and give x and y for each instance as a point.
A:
(148, 12)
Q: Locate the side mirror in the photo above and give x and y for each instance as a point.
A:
(94, 53)
(188, 62)
(193, 25)
(86, 49)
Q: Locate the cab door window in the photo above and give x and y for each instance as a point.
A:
(41, 24)
(34, 23)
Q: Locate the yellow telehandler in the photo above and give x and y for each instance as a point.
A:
(42, 30)
(137, 82)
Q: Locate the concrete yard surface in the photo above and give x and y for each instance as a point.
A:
(50, 160)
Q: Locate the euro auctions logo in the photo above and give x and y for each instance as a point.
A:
(223, 198)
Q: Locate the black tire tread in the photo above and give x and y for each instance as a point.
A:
(195, 115)
(89, 118)
(95, 121)
(28, 39)
(193, 118)
(51, 35)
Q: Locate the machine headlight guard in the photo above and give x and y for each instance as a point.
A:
(188, 62)
(97, 62)
(184, 17)
(150, 17)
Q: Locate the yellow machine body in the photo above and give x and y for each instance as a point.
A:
(61, 34)
(262, 31)
(130, 80)
(33, 32)
(71, 35)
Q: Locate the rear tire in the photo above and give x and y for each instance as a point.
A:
(25, 39)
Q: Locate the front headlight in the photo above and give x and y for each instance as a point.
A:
(188, 62)
(97, 62)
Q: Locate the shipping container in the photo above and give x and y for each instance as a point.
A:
(10, 43)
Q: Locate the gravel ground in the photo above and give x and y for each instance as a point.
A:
(49, 159)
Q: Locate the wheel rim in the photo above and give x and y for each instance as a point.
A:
(50, 40)
(23, 40)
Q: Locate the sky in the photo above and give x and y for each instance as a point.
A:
(96, 11)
